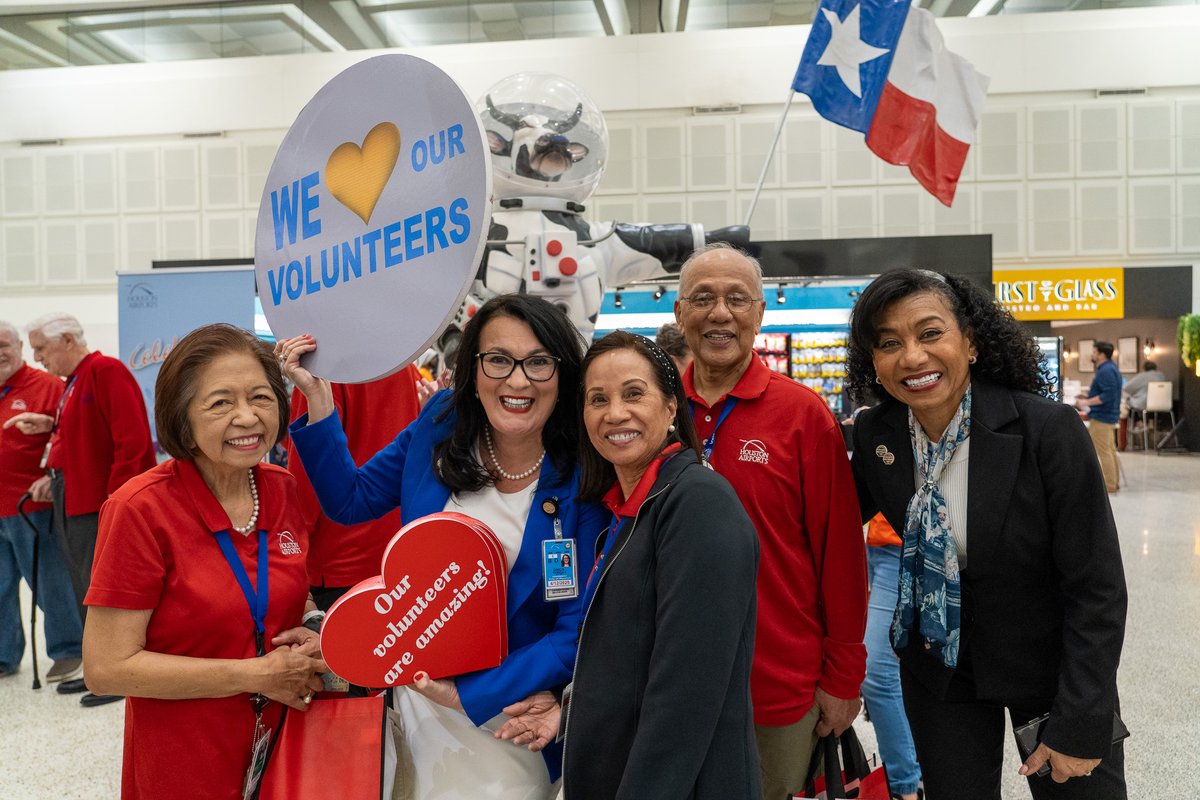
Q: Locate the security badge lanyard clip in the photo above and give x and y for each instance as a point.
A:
(257, 601)
(711, 441)
(560, 577)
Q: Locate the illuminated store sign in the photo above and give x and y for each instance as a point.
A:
(1062, 293)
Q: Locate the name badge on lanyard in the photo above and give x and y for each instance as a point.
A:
(560, 568)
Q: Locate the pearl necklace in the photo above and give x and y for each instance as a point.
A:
(487, 438)
(249, 526)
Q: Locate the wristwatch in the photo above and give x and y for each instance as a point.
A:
(313, 619)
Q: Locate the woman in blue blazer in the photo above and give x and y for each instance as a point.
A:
(501, 447)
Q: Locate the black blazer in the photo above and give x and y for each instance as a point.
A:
(1044, 600)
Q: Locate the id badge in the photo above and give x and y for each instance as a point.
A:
(559, 569)
(258, 759)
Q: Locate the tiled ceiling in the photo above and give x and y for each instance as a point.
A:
(128, 31)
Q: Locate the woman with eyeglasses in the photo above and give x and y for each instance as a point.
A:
(501, 446)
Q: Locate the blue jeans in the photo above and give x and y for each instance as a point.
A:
(881, 688)
(56, 597)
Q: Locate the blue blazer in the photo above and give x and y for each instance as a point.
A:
(542, 636)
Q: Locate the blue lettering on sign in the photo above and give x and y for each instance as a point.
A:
(437, 147)
(286, 207)
(400, 241)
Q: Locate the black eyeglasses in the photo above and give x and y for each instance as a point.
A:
(500, 365)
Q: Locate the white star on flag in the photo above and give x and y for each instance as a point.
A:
(846, 50)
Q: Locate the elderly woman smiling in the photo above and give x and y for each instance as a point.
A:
(199, 583)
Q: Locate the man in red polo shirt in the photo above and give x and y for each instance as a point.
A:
(100, 438)
(23, 388)
(776, 442)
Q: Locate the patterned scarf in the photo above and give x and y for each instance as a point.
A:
(930, 593)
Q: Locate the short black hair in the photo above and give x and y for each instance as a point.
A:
(176, 385)
(1006, 354)
(453, 458)
(1106, 348)
(1149, 366)
(596, 472)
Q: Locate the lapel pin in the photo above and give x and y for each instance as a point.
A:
(887, 458)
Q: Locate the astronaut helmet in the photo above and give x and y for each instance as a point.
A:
(547, 138)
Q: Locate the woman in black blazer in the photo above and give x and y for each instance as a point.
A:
(1012, 593)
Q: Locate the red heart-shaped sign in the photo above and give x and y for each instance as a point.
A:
(438, 607)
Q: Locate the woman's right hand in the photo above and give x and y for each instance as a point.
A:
(316, 390)
(287, 676)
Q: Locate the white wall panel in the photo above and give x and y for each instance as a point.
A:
(181, 238)
(1152, 215)
(19, 246)
(620, 174)
(765, 224)
(711, 210)
(1151, 137)
(665, 209)
(221, 175)
(223, 236)
(663, 164)
(1000, 147)
(98, 174)
(18, 186)
(1188, 114)
(854, 214)
(1101, 218)
(1100, 140)
(101, 249)
(60, 244)
(1051, 218)
(901, 211)
(853, 163)
(141, 242)
(1189, 215)
(615, 208)
(180, 178)
(258, 157)
(710, 154)
(804, 159)
(139, 179)
(959, 219)
(1002, 214)
(753, 137)
(806, 215)
(1051, 142)
(60, 183)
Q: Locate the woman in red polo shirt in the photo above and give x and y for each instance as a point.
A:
(199, 584)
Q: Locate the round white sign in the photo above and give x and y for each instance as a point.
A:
(374, 217)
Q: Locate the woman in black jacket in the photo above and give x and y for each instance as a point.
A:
(1011, 588)
(660, 702)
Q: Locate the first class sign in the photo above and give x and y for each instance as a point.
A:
(373, 219)
(1092, 293)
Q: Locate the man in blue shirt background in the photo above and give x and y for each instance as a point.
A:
(1103, 404)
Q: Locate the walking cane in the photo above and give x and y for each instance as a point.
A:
(25, 498)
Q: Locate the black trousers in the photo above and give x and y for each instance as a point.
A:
(77, 540)
(960, 746)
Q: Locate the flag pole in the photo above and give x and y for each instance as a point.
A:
(770, 154)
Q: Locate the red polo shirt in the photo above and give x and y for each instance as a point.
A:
(372, 415)
(156, 551)
(783, 452)
(27, 389)
(103, 435)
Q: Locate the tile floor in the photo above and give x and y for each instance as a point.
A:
(53, 748)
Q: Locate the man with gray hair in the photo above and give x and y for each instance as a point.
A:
(23, 388)
(779, 446)
(99, 438)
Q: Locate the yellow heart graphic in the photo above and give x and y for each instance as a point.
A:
(356, 176)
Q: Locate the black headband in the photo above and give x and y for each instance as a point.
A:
(664, 361)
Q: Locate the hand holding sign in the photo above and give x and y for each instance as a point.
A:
(438, 608)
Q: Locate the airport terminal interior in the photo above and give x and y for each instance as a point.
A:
(138, 135)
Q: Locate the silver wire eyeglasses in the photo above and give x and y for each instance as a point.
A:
(498, 365)
(736, 302)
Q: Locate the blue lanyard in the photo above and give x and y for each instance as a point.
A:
(62, 401)
(256, 600)
(711, 441)
(4, 393)
(594, 578)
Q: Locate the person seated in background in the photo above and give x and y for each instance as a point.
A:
(671, 339)
(501, 446)
(195, 603)
(1136, 388)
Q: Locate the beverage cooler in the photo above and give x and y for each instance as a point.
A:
(804, 331)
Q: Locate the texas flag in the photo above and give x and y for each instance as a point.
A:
(881, 67)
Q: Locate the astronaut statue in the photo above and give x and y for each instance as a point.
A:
(549, 146)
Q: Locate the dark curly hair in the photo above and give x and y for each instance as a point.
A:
(1006, 354)
(597, 474)
(454, 458)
